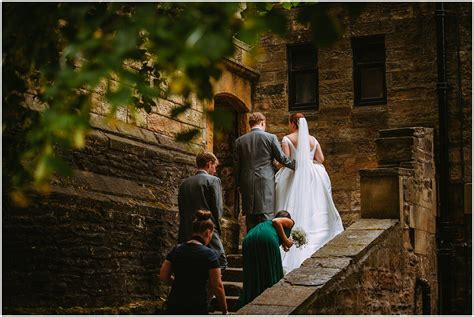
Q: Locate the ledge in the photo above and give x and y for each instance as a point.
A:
(300, 288)
(244, 71)
(131, 132)
(404, 132)
(388, 171)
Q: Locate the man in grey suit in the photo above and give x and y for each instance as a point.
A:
(202, 191)
(255, 174)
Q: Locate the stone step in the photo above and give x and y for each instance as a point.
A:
(232, 288)
(234, 260)
(233, 274)
(231, 303)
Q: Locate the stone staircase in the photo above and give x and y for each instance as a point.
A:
(232, 280)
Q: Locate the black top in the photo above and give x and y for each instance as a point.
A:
(190, 264)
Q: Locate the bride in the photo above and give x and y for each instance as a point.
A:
(306, 193)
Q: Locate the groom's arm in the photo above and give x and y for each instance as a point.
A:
(279, 155)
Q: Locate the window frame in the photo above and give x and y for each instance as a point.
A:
(358, 43)
(306, 106)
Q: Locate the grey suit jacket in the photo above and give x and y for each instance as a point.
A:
(254, 153)
(201, 191)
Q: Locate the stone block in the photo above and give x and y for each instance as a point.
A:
(252, 309)
(422, 219)
(126, 145)
(128, 129)
(102, 123)
(395, 150)
(380, 197)
(422, 242)
(405, 132)
(309, 276)
(148, 136)
(411, 216)
(333, 250)
(356, 237)
(137, 117)
(98, 138)
(163, 125)
(284, 294)
(336, 263)
(373, 224)
(375, 117)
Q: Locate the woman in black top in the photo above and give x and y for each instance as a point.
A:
(189, 267)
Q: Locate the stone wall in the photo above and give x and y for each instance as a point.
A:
(404, 186)
(96, 242)
(347, 133)
(364, 270)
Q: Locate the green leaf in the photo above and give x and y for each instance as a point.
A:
(288, 5)
(120, 97)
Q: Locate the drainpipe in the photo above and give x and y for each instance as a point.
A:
(443, 166)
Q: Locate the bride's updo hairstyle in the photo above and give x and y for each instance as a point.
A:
(294, 118)
(202, 221)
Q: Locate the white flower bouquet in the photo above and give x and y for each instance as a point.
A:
(298, 236)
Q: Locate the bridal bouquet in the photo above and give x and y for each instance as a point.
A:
(299, 237)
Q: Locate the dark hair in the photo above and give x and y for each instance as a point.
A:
(202, 221)
(295, 117)
(203, 158)
(255, 118)
(284, 214)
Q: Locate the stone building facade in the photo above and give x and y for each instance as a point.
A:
(95, 244)
(348, 132)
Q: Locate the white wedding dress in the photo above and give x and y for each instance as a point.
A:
(306, 194)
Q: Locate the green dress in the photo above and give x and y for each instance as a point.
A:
(262, 261)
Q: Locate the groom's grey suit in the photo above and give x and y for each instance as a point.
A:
(254, 153)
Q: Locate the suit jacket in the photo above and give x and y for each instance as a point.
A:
(254, 153)
(201, 191)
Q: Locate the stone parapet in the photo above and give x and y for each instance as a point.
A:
(364, 270)
(404, 186)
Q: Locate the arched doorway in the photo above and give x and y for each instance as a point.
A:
(225, 131)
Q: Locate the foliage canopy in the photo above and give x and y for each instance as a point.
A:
(59, 53)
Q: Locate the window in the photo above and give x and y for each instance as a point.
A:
(369, 70)
(303, 92)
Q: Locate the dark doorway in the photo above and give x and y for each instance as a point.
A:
(226, 131)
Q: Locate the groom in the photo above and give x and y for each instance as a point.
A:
(254, 153)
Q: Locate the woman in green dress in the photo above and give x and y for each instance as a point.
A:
(262, 266)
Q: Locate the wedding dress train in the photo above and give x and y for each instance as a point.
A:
(306, 194)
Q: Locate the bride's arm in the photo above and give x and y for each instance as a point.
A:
(318, 154)
(286, 148)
